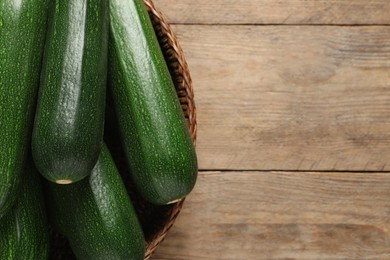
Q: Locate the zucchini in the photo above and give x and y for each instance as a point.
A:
(24, 233)
(22, 33)
(154, 133)
(69, 121)
(96, 214)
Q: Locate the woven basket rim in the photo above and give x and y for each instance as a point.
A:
(180, 73)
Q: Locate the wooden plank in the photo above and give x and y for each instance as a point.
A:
(276, 12)
(283, 215)
(291, 97)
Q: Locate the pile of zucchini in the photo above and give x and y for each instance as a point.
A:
(58, 58)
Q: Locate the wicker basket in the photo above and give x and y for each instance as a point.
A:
(178, 67)
(156, 220)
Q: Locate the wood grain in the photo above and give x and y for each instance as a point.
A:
(311, 98)
(276, 12)
(283, 215)
(307, 94)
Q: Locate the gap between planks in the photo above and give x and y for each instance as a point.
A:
(286, 171)
(277, 24)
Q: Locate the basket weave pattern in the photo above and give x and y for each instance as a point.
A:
(177, 65)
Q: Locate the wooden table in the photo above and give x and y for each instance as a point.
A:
(293, 103)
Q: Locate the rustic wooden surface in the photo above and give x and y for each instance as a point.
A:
(291, 97)
(284, 215)
(276, 11)
(293, 102)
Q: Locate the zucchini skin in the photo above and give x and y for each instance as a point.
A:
(22, 34)
(24, 232)
(96, 214)
(154, 134)
(68, 128)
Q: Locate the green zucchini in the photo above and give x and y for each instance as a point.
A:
(68, 128)
(24, 233)
(96, 214)
(22, 33)
(154, 133)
